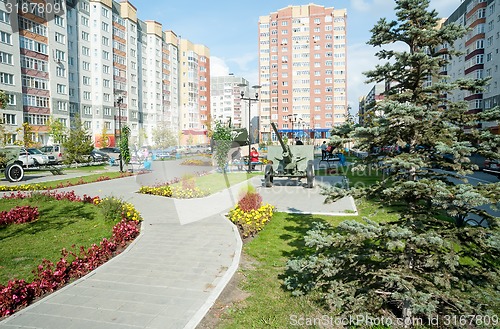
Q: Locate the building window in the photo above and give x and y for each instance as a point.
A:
(58, 20)
(5, 37)
(5, 58)
(61, 38)
(61, 89)
(60, 55)
(62, 106)
(6, 78)
(4, 17)
(60, 71)
(9, 119)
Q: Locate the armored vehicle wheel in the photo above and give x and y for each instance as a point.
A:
(268, 175)
(14, 172)
(310, 174)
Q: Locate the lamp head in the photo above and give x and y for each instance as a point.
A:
(242, 94)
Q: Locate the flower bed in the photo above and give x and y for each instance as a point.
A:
(19, 215)
(186, 190)
(74, 263)
(196, 162)
(250, 215)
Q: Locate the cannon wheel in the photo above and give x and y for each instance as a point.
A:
(268, 175)
(14, 172)
(310, 174)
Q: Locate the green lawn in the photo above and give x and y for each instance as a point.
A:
(69, 181)
(61, 225)
(269, 305)
(217, 182)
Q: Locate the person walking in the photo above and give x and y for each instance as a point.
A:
(298, 141)
(323, 150)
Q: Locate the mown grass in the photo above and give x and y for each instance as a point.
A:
(62, 224)
(269, 304)
(89, 168)
(217, 182)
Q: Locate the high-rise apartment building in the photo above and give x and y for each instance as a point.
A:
(225, 93)
(303, 71)
(194, 81)
(480, 58)
(91, 54)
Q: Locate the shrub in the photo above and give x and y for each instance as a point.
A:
(115, 209)
(251, 201)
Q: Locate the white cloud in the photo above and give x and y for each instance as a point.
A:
(445, 7)
(218, 67)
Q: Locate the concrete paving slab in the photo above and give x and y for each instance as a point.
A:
(174, 271)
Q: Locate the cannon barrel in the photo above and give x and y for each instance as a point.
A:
(287, 153)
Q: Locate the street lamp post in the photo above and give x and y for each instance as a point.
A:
(293, 120)
(249, 99)
(119, 101)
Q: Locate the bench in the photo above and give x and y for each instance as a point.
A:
(233, 166)
(330, 157)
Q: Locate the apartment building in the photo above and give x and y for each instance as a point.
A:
(98, 60)
(171, 81)
(480, 59)
(367, 103)
(194, 92)
(10, 71)
(303, 71)
(225, 93)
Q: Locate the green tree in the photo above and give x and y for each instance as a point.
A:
(104, 137)
(4, 99)
(222, 144)
(78, 145)
(27, 130)
(57, 130)
(124, 148)
(163, 137)
(430, 261)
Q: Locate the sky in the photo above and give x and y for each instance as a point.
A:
(230, 30)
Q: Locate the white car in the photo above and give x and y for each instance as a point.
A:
(32, 157)
(26, 158)
(39, 157)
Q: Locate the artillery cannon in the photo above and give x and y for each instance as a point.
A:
(290, 161)
(10, 164)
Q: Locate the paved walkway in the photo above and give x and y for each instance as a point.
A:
(173, 272)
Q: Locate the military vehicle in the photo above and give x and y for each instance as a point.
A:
(290, 161)
(10, 164)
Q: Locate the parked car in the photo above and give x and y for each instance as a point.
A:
(197, 149)
(161, 154)
(110, 150)
(492, 167)
(98, 156)
(39, 157)
(26, 158)
(55, 150)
